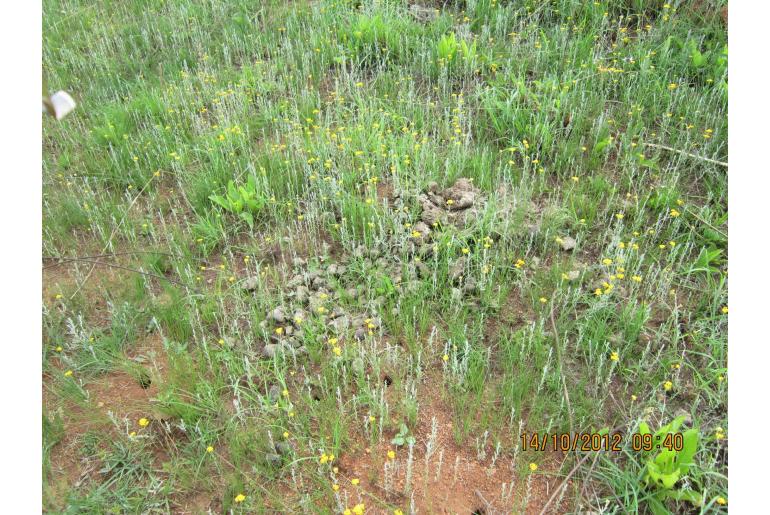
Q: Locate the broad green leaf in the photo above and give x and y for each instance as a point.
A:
(691, 496)
(685, 457)
(221, 201)
(248, 218)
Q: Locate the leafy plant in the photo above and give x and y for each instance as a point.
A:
(243, 201)
(666, 464)
(708, 261)
(403, 437)
(373, 38)
(449, 46)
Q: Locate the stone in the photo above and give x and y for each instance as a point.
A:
(436, 199)
(274, 393)
(458, 269)
(430, 213)
(360, 334)
(273, 459)
(302, 295)
(462, 193)
(300, 315)
(340, 324)
(470, 286)
(422, 270)
(278, 315)
(282, 448)
(567, 243)
(422, 228)
(251, 284)
(572, 275)
(423, 14)
(271, 349)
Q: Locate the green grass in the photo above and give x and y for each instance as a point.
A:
(603, 122)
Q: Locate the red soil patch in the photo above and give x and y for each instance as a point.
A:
(462, 485)
(116, 392)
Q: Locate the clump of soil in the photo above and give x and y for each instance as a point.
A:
(456, 205)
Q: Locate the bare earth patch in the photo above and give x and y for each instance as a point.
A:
(450, 479)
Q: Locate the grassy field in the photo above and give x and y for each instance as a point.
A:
(339, 256)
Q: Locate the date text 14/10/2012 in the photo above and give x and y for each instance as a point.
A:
(566, 442)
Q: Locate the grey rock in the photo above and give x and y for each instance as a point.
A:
(301, 294)
(430, 213)
(568, 243)
(300, 315)
(273, 459)
(251, 284)
(360, 334)
(340, 324)
(436, 199)
(422, 270)
(462, 193)
(422, 228)
(283, 448)
(278, 315)
(271, 349)
(470, 286)
(458, 269)
(274, 393)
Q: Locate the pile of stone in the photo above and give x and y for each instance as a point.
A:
(313, 292)
(456, 205)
